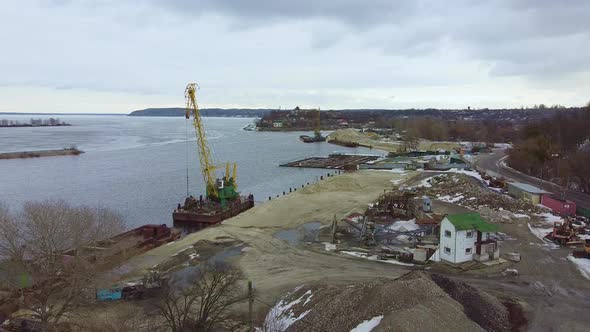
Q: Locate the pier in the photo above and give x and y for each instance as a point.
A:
(333, 161)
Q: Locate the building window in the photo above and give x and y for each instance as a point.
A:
(467, 251)
(447, 233)
(469, 234)
(447, 250)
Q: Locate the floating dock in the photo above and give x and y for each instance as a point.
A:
(41, 153)
(333, 161)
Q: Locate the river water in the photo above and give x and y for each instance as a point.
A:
(137, 165)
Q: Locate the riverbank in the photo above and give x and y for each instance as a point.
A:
(41, 153)
(374, 141)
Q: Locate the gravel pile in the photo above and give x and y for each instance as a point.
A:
(414, 302)
(482, 308)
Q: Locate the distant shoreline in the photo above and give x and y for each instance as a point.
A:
(40, 153)
(28, 125)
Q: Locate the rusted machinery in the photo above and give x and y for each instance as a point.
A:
(563, 233)
(585, 252)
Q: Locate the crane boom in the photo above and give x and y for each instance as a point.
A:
(207, 167)
(317, 131)
(216, 189)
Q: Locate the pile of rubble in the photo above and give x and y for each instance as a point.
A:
(460, 189)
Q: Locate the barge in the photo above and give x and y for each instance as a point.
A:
(333, 161)
(130, 243)
(343, 143)
(312, 139)
(197, 214)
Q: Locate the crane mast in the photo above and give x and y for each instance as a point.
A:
(216, 189)
(317, 131)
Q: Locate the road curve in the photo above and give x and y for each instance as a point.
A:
(492, 162)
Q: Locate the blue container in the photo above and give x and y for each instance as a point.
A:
(110, 294)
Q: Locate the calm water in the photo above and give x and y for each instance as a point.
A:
(137, 165)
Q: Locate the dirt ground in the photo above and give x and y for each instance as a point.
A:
(274, 265)
(552, 292)
(374, 140)
(557, 296)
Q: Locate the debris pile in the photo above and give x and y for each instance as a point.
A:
(460, 189)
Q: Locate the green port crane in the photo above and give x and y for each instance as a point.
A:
(217, 189)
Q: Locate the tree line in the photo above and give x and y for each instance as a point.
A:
(437, 129)
(47, 272)
(557, 149)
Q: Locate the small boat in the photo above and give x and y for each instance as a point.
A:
(312, 139)
(250, 127)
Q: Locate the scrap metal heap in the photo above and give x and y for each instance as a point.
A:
(572, 231)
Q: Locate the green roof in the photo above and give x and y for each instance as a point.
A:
(465, 221)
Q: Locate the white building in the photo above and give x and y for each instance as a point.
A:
(466, 237)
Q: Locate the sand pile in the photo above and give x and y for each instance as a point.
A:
(334, 184)
(347, 135)
(414, 302)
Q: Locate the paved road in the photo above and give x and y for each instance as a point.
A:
(491, 162)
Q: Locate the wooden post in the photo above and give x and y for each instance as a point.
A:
(334, 227)
(250, 302)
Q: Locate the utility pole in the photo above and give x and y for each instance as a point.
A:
(250, 302)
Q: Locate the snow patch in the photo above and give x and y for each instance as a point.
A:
(468, 173)
(368, 325)
(450, 199)
(549, 218)
(329, 246)
(521, 215)
(397, 181)
(280, 317)
(404, 225)
(583, 265)
(374, 258)
(393, 170)
(426, 182)
(540, 233)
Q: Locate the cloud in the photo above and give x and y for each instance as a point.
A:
(331, 52)
(521, 37)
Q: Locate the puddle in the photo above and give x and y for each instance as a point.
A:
(185, 277)
(223, 256)
(292, 236)
(311, 231)
(308, 232)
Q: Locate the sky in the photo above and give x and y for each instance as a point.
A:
(116, 56)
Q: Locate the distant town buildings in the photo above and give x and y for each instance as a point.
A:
(51, 122)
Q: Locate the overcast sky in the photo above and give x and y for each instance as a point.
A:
(115, 56)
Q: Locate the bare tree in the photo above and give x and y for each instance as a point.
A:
(46, 261)
(410, 140)
(204, 304)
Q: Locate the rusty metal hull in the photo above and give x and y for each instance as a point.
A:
(196, 220)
